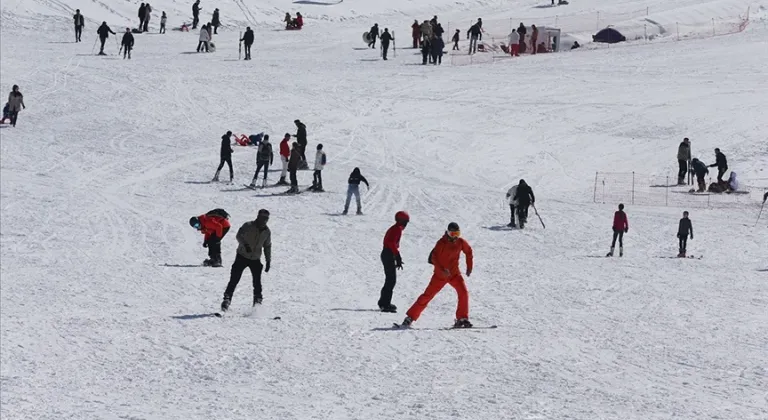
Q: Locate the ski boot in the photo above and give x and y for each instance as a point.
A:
(256, 300)
(621, 251)
(207, 262)
(216, 177)
(462, 323)
(610, 253)
(359, 212)
(406, 322)
(390, 308)
(512, 225)
(282, 181)
(681, 180)
(681, 254)
(346, 210)
(215, 262)
(225, 303)
(252, 184)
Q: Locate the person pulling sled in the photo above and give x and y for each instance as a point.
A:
(214, 225)
(620, 227)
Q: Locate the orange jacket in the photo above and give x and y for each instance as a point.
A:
(446, 255)
(212, 225)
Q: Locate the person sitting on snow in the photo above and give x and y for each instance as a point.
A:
(733, 183)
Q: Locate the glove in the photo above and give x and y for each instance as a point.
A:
(626, 230)
(247, 248)
(398, 262)
(266, 267)
(691, 237)
(678, 236)
(205, 244)
(469, 272)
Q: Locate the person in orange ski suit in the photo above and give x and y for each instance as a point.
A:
(445, 258)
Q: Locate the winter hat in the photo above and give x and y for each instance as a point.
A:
(320, 147)
(287, 135)
(194, 221)
(266, 137)
(401, 216)
(229, 133)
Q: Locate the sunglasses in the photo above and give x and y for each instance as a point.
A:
(454, 233)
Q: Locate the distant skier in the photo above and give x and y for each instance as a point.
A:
(445, 259)
(226, 157)
(264, 159)
(142, 15)
(147, 16)
(163, 20)
(386, 38)
(285, 154)
(214, 225)
(247, 39)
(721, 163)
(353, 188)
(195, 14)
(514, 43)
(684, 229)
(204, 39)
(455, 40)
(215, 21)
(511, 194)
(104, 32)
(620, 227)
(15, 104)
(301, 138)
(474, 34)
(392, 261)
(127, 43)
(524, 197)
(79, 25)
(320, 160)
(416, 33)
(683, 158)
(252, 238)
(700, 169)
(373, 34)
(293, 167)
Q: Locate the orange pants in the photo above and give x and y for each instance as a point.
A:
(436, 284)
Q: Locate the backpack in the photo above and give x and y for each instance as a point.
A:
(218, 212)
(322, 160)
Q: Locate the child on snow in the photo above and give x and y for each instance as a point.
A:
(684, 229)
(620, 227)
(320, 159)
(455, 40)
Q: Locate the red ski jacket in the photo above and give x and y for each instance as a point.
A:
(446, 254)
(392, 238)
(620, 221)
(213, 225)
(285, 149)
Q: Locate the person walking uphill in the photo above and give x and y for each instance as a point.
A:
(684, 229)
(683, 159)
(214, 225)
(353, 188)
(524, 197)
(15, 104)
(226, 157)
(620, 227)
(79, 25)
(248, 41)
(104, 32)
(252, 238)
(392, 261)
(722, 165)
(386, 38)
(445, 259)
(127, 43)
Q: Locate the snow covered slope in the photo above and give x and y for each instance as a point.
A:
(101, 318)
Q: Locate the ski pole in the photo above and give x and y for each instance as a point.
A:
(759, 214)
(94, 44)
(537, 215)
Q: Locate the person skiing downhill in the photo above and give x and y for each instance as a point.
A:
(320, 160)
(683, 159)
(445, 259)
(285, 154)
(214, 225)
(79, 25)
(252, 238)
(721, 163)
(247, 39)
(684, 229)
(127, 43)
(620, 227)
(524, 197)
(353, 188)
(264, 159)
(226, 157)
(392, 261)
(104, 31)
(511, 194)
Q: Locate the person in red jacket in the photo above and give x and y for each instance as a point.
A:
(285, 154)
(445, 258)
(620, 227)
(392, 261)
(416, 34)
(214, 225)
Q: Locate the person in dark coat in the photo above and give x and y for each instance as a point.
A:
(524, 197)
(142, 15)
(104, 32)
(722, 165)
(386, 37)
(226, 157)
(293, 167)
(127, 43)
(79, 25)
(437, 50)
(196, 13)
(215, 21)
(522, 31)
(455, 40)
(301, 138)
(147, 17)
(373, 34)
(426, 51)
(683, 158)
(248, 41)
(353, 189)
(264, 159)
(475, 33)
(684, 229)
(700, 169)
(15, 104)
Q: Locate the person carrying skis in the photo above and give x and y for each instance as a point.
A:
(700, 169)
(79, 25)
(204, 39)
(445, 259)
(511, 193)
(392, 261)
(301, 138)
(524, 197)
(317, 177)
(353, 188)
(620, 227)
(104, 32)
(722, 165)
(386, 37)
(142, 15)
(163, 20)
(15, 104)
(416, 33)
(474, 34)
(147, 16)
(226, 157)
(215, 21)
(252, 238)
(248, 41)
(285, 154)
(214, 225)
(684, 229)
(455, 40)
(293, 167)
(195, 14)
(683, 158)
(264, 158)
(127, 43)
(372, 34)
(514, 43)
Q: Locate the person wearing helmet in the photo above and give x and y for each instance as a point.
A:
(353, 188)
(226, 157)
(445, 259)
(620, 227)
(252, 238)
(392, 261)
(320, 159)
(214, 225)
(15, 104)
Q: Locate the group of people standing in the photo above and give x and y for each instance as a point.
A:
(428, 36)
(700, 169)
(517, 44)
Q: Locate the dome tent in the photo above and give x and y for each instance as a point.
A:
(609, 36)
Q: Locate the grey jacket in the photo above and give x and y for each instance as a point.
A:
(255, 239)
(684, 152)
(15, 101)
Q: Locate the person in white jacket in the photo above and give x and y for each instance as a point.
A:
(320, 159)
(512, 204)
(514, 43)
(205, 37)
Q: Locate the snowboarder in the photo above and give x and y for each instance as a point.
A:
(474, 34)
(252, 238)
(248, 41)
(163, 20)
(683, 159)
(372, 34)
(416, 33)
(293, 166)
(437, 50)
(700, 169)
(514, 43)
(301, 138)
(79, 25)
(226, 157)
(15, 104)
(204, 38)
(620, 227)
(445, 259)
(521, 30)
(215, 21)
(142, 15)
(392, 261)
(684, 229)
(524, 197)
(214, 225)
(455, 40)
(147, 16)
(127, 43)
(104, 32)
(386, 37)
(195, 13)
(264, 158)
(722, 165)
(353, 188)
(317, 178)
(511, 194)
(285, 154)
(534, 38)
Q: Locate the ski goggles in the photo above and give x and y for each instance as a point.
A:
(454, 233)
(196, 226)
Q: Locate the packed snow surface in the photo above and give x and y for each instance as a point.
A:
(105, 314)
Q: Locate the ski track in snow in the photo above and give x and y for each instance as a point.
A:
(102, 320)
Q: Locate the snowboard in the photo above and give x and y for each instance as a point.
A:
(397, 326)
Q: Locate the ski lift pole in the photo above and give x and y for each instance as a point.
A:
(537, 215)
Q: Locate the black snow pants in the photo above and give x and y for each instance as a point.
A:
(683, 243)
(259, 165)
(228, 160)
(384, 49)
(214, 246)
(240, 264)
(248, 51)
(512, 214)
(683, 169)
(78, 32)
(618, 233)
(522, 212)
(317, 180)
(294, 180)
(390, 277)
(103, 40)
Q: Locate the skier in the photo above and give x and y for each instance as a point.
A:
(386, 37)
(293, 166)
(204, 38)
(285, 154)
(437, 50)
(474, 34)
(195, 13)
(79, 25)
(683, 230)
(142, 15)
(514, 43)
(392, 261)
(226, 157)
(445, 258)
(416, 33)
(215, 21)
(372, 34)
(127, 43)
(722, 165)
(214, 225)
(683, 158)
(147, 16)
(700, 169)
(620, 227)
(522, 31)
(511, 194)
(264, 158)
(320, 160)
(15, 104)
(524, 197)
(248, 41)
(163, 19)
(534, 38)
(455, 40)
(252, 238)
(301, 138)
(353, 188)
(104, 32)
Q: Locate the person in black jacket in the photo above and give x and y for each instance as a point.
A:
(684, 229)
(79, 25)
(226, 156)
(104, 32)
(522, 31)
(264, 159)
(301, 138)
(354, 189)
(525, 198)
(196, 13)
(142, 15)
(386, 37)
(722, 165)
(426, 50)
(455, 40)
(127, 43)
(248, 41)
(437, 50)
(215, 21)
(700, 169)
(372, 34)
(475, 33)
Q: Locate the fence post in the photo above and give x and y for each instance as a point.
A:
(666, 193)
(594, 195)
(645, 29)
(557, 19)
(713, 26)
(633, 187)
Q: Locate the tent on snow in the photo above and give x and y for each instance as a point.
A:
(609, 36)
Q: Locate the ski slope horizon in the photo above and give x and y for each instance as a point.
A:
(100, 318)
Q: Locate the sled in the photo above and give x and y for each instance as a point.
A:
(366, 37)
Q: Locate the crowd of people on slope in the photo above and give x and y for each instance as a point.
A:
(700, 169)
(428, 36)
